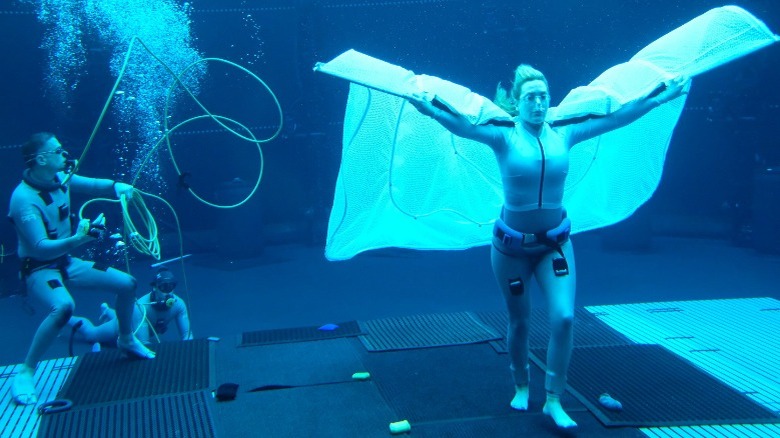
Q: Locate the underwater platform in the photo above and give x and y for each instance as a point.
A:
(701, 368)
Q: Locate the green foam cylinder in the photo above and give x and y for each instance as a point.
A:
(402, 426)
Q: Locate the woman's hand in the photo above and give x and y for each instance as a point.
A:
(422, 101)
(674, 88)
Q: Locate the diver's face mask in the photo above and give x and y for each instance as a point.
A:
(67, 164)
(164, 298)
(166, 287)
(59, 151)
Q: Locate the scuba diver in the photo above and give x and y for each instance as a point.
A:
(152, 315)
(40, 212)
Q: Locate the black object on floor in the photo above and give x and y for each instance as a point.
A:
(106, 376)
(299, 334)
(185, 415)
(226, 392)
(656, 388)
(423, 331)
(589, 330)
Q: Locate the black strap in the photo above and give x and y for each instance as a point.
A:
(30, 265)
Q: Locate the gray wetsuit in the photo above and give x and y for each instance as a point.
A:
(42, 214)
(533, 170)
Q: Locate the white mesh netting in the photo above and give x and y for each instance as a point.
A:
(407, 182)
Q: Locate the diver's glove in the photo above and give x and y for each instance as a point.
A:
(90, 229)
(97, 229)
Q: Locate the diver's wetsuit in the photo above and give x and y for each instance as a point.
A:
(533, 170)
(40, 213)
(146, 312)
(160, 315)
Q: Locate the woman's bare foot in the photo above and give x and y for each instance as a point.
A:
(520, 402)
(554, 409)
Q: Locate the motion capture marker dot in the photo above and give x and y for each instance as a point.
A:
(400, 427)
(328, 327)
(361, 376)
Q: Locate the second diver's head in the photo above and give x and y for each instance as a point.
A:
(164, 281)
(162, 289)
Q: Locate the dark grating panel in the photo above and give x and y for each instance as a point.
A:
(656, 387)
(106, 376)
(179, 415)
(589, 330)
(300, 334)
(422, 331)
(499, 321)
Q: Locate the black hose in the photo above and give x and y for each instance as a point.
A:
(73, 331)
(55, 406)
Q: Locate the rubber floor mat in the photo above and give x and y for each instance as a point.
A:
(106, 376)
(299, 334)
(178, 415)
(589, 330)
(423, 331)
(656, 388)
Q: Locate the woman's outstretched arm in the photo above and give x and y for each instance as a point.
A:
(628, 112)
(456, 124)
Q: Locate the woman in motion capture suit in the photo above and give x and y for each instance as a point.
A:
(531, 238)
